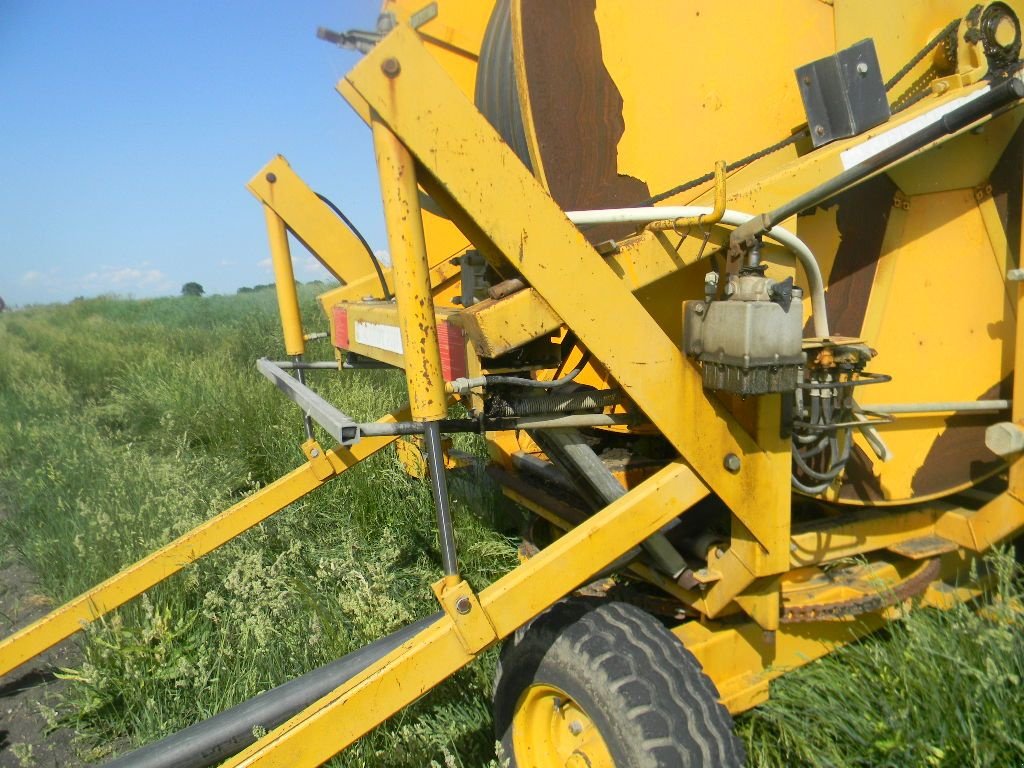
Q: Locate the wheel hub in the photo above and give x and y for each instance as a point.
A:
(551, 729)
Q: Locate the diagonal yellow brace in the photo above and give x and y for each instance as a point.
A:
(475, 176)
(63, 622)
(329, 725)
(325, 235)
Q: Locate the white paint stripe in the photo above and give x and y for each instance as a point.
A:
(871, 147)
(386, 337)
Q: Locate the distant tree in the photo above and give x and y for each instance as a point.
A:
(2, 305)
(244, 289)
(192, 289)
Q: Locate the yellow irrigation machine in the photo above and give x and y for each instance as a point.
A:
(730, 289)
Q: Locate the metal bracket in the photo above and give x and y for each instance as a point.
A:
(318, 462)
(341, 427)
(474, 629)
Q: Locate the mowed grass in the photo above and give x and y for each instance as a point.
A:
(125, 423)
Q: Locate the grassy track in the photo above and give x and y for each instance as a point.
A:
(124, 423)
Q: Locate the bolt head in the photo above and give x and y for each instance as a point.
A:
(862, 68)
(390, 67)
(314, 453)
(463, 606)
(732, 462)
(575, 727)
(271, 177)
(819, 130)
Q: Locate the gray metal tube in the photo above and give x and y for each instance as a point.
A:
(970, 406)
(601, 487)
(379, 429)
(214, 740)
(308, 365)
(300, 374)
(439, 487)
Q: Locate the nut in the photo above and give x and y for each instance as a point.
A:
(732, 462)
(463, 605)
(390, 67)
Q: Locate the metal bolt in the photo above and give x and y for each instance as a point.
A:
(699, 309)
(271, 177)
(314, 453)
(862, 68)
(731, 462)
(463, 606)
(575, 727)
(819, 130)
(390, 67)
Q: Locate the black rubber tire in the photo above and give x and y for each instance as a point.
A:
(647, 695)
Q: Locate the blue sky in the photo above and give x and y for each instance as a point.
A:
(129, 129)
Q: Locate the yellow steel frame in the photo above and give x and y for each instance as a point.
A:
(474, 175)
(339, 718)
(428, 134)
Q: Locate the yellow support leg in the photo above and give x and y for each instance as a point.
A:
(284, 279)
(338, 719)
(168, 560)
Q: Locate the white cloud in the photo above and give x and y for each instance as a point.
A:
(383, 257)
(304, 266)
(133, 280)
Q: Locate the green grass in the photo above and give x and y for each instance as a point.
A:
(125, 423)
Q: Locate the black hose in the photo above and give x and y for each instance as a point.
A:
(366, 245)
(213, 740)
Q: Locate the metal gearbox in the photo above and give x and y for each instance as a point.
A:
(749, 343)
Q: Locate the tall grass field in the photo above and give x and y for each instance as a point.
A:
(125, 423)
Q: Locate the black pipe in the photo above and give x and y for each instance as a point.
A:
(216, 739)
(1000, 96)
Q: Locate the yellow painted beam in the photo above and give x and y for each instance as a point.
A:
(171, 558)
(499, 326)
(463, 156)
(326, 236)
(339, 718)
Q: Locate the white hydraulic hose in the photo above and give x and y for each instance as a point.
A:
(784, 237)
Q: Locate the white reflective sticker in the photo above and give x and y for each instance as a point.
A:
(871, 147)
(386, 337)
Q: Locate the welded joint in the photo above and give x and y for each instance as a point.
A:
(318, 461)
(461, 605)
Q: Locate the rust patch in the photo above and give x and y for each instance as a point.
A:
(577, 110)
(959, 454)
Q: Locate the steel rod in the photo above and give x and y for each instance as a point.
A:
(327, 365)
(300, 374)
(439, 487)
(970, 406)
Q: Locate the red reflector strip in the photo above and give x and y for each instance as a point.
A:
(452, 343)
(341, 327)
